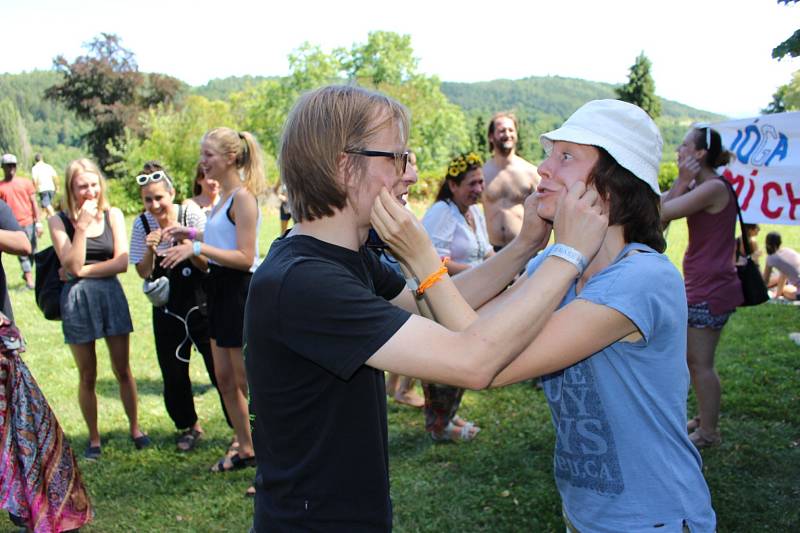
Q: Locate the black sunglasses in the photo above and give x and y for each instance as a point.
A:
(400, 158)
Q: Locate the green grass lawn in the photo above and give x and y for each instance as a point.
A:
(500, 482)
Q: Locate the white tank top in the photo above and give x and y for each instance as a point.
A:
(220, 230)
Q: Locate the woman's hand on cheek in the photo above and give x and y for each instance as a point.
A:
(580, 220)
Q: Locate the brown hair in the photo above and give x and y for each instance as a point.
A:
(247, 151)
(715, 155)
(198, 175)
(80, 166)
(323, 124)
(633, 204)
(492, 126)
(457, 170)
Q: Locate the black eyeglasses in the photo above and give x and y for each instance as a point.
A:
(400, 158)
(158, 175)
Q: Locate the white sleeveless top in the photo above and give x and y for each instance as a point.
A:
(220, 230)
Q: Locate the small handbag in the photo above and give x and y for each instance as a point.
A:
(754, 289)
(156, 289)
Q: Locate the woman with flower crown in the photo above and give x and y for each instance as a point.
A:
(457, 229)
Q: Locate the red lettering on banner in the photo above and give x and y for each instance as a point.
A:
(739, 183)
(794, 201)
(770, 213)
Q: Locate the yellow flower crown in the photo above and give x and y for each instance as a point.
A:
(459, 165)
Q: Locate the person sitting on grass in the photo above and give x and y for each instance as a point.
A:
(787, 262)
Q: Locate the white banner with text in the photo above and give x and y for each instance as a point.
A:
(765, 169)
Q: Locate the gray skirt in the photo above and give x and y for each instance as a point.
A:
(94, 308)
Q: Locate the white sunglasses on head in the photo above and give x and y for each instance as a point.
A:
(158, 175)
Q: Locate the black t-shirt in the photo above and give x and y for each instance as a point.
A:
(8, 222)
(315, 313)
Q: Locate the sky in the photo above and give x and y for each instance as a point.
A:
(714, 55)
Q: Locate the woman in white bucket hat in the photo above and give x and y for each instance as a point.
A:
(612, 357)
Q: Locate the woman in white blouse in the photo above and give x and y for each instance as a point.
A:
(454, 222)
(458, 230)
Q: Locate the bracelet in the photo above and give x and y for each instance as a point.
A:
(196, 247)
(570, 255)
(432, 279)
(192, 234)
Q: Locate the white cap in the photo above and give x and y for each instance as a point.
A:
(624, 130)
(9, 159)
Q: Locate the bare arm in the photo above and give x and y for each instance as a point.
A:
(119, 262)
(560, 344)
(471, 351)
(245, 214)
(14, 242)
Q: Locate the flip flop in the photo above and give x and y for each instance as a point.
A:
(701, 441)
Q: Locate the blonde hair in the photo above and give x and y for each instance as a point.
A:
(322, 125)
(75, 168)
(248, 154)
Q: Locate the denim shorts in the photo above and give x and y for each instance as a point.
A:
(700, 317)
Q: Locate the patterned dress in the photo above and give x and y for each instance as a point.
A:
(40, 485)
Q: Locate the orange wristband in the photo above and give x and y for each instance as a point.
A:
(433, 278)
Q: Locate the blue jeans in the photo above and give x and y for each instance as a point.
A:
(26, 260)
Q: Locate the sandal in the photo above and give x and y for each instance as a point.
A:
(455, 433)
(236, 462)
(701, 441)
(692, 424)
(92, 453)
(188, 440)
(250, 492)
(141, 442)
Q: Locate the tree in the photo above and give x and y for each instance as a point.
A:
(641, 89)
(172, 136)
(786, 98)
(791, 46)
(13, 135)
(386, 63)
(105, 87)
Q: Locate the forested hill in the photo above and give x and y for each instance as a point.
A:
(548, 95)
(541, 103)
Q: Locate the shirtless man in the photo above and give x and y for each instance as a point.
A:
(509, 179)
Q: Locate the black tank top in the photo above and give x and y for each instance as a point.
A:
(100, 248)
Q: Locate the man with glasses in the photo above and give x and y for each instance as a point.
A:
(508, 180)
(20, 195)
(325, 317)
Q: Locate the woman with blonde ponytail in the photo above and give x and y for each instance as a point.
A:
(230, 242)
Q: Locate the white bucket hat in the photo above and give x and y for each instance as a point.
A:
(624, 130)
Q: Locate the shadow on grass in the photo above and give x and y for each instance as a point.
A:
(109, 388)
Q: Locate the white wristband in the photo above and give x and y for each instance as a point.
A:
(570, 255)
(196, 247)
